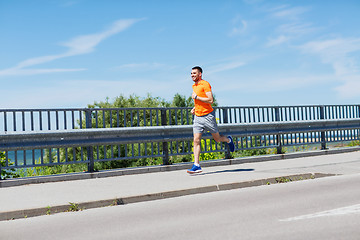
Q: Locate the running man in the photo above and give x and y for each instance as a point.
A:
(204, 117)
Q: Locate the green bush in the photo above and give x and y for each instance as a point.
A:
(209, 155)
(354, 143)
(9, 173)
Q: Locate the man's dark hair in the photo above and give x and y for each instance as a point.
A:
(197, 68)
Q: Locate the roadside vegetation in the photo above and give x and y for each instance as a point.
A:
(9, 173)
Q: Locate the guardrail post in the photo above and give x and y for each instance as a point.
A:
(278, 136)
(0, 168)
(90, 151)
(226, 120)
(358, 116)
(165, 145)
(322, 134)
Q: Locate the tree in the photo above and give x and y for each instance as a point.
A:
(131, 102)
(139, 118)
(182, 101)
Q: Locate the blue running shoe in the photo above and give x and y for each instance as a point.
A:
(231, 144)
(195, 169)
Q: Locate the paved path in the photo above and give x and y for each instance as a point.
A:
(40, 199)
(325, 208)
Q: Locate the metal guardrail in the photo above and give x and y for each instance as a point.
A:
(270, 135)
(78, 118)
(105, 136)
(47, 137)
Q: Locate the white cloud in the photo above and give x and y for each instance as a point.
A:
(288, 12)
(350, 88)
(290, 31)
(239, 26)
(77, 46)
(224, 67)
(341, 54)
(337, 52)
(277, 41)
(258, 84)
(87, 43)
(294, 27)
(139, 66)
(27, 72)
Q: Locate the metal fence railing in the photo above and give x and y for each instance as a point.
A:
(60, 119)
(35, 122)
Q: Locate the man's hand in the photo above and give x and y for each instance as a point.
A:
(193, 95)
(193, 111)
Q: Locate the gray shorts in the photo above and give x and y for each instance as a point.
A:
(205, 123)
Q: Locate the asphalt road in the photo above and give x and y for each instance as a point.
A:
(326, 208)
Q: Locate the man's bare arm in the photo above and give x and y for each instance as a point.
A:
(208, 99)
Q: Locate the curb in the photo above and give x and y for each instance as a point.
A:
(49, 210)
(175, 167)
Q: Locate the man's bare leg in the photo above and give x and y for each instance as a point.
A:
(220, 138)
(197, 147)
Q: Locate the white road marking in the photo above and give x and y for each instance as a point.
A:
(334, 212)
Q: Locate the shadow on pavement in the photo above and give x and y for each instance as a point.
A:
(225, 171)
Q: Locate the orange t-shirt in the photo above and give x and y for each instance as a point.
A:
(201, 88)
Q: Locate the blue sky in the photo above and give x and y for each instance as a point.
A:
(70, 53)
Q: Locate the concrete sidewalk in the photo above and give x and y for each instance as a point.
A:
(52, 197)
